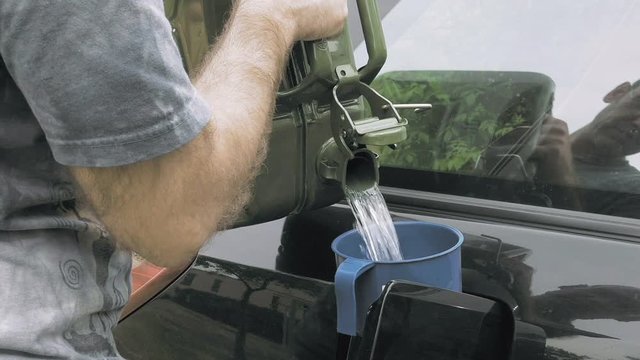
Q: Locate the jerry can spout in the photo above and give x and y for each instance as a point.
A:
(357, 170)
(361, 172)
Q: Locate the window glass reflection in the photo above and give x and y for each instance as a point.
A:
(573, 123)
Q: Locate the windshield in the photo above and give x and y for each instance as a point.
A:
(542, 94)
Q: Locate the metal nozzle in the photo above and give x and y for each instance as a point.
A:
(361, 172)
(358, 172)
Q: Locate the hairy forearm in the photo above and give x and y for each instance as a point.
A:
(239, 79)
(166, 208)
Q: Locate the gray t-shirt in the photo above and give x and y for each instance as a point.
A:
(82, 83)
(611, 189)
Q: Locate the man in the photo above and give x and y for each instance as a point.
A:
(600, 151)
(93, 93)
(594, 157)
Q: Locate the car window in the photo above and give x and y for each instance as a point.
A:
(534, 102)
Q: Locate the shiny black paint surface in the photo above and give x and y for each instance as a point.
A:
(414, 321)
(579, 292)
(224, 310)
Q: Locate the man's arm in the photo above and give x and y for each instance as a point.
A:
(555, 163)
(553, 154)
(167, 207)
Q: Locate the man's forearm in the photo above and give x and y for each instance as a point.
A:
(244, 68)
(239, 79)
(165, 208)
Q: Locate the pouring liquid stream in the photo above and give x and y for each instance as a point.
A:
(374, 223)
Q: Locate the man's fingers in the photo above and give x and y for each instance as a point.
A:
(556, 126)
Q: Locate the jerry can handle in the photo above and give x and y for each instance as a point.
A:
(373, 38)
(321, 66)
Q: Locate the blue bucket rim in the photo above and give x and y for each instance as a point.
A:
(442, 253)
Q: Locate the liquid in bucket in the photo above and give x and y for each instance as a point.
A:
(374, 223)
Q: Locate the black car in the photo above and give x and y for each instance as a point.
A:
(529, 149)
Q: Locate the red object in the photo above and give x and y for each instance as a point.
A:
(148, 281)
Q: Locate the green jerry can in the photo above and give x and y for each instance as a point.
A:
(326, 114)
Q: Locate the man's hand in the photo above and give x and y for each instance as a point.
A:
(301, 19)
(553, 153)
(614, 133)
(315, 19)
(167, 207)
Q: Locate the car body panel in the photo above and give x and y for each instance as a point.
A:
(581, 290)
(568, 278)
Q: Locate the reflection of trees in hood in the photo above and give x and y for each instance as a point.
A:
(255, 280)
(315, 337)
(554, 310)
(621, 303)
(553, 353)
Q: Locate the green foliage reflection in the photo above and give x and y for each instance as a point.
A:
(471, 109)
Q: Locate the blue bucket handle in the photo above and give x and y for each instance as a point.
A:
(345, 282)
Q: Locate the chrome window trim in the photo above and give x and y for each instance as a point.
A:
(498, 212)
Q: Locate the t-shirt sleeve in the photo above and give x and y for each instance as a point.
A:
(104, 78)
